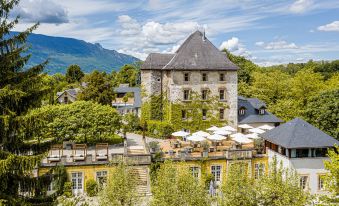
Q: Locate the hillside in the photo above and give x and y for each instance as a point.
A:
(63, 52)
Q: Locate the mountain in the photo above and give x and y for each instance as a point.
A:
(63, 52)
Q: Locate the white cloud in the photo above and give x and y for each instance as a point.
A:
(301, 6)
(334, 26)
(277, 45)
(231, 44)
(235, 47)
(43, 11)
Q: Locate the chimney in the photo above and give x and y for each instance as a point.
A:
(204, 35)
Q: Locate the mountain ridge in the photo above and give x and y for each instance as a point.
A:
(63, 51)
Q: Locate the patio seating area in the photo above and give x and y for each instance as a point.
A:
(215, 142)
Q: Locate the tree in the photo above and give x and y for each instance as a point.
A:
(238, 188)
(74, 74)
(280, 187)
(21, 89)
(132, 122)
(332, 178)
(120, 189)
(128, 74)
(98, 89)
(83, 122)
(323, 112)
(174, 185)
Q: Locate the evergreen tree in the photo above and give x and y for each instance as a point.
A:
(20, 90)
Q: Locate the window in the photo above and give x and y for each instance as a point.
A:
(259, 170)
(204, 77)
(186, 94)
(216, 172)
(204, 94)
(221, 77)
(262, 111)
(221, 114)
(302, 153)
(186, 77)
(101, 177)
(77, 182)
(320, 182)
(183, 114)
(195, 171)
(242, 111)
(304, 182)
(204, 114)
(65, 99)
(222, 94)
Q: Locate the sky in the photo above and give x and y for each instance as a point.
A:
(267, 32)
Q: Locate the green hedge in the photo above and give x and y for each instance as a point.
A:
(159, 129)
(91, 187)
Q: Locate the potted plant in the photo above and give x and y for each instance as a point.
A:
(154, 146)
(205, 145)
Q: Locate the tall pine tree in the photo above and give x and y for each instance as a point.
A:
(21, 89)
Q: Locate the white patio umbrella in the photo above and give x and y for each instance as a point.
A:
(222, 132)
(228, 128)
(266, 127)
(245, 126)
(180, 134)
(216, 137)
(257, 130)
(237, 135)
(196, 138)
(201, 133)
(242, 140)
(252, 136)
(214, 128)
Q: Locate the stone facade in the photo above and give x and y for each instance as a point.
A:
(197, 57)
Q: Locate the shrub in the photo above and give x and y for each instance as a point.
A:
(68, 189)
(159, 129)
(91, 187)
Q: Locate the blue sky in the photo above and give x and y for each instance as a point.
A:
(267, 32)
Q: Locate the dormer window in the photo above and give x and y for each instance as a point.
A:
(262, 111)
(242, 111)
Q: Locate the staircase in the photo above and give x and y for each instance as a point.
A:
(135, 150)
(143, 181)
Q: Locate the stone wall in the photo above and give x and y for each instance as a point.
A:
(173, 85)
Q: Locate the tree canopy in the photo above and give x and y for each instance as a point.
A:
(74, 74)
(98, 89)
(81, 121)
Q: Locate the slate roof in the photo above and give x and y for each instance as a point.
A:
(298, 133)
(196, 53)
(252, 115)
(73, 92)
(135, 90)
(156, 61)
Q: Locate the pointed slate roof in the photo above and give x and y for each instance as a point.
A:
(196, 53)
(298, 133)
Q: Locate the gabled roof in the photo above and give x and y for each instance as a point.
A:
(196, 53)
(252, 115)
(73, 92)
(135, 90)
(156, 61)
(298, 133)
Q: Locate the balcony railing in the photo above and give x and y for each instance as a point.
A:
(238, 154)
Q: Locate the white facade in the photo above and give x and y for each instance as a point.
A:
(310, 167)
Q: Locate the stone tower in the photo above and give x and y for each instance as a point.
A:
(197, 66)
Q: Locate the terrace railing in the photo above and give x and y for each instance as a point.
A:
(238, 154)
